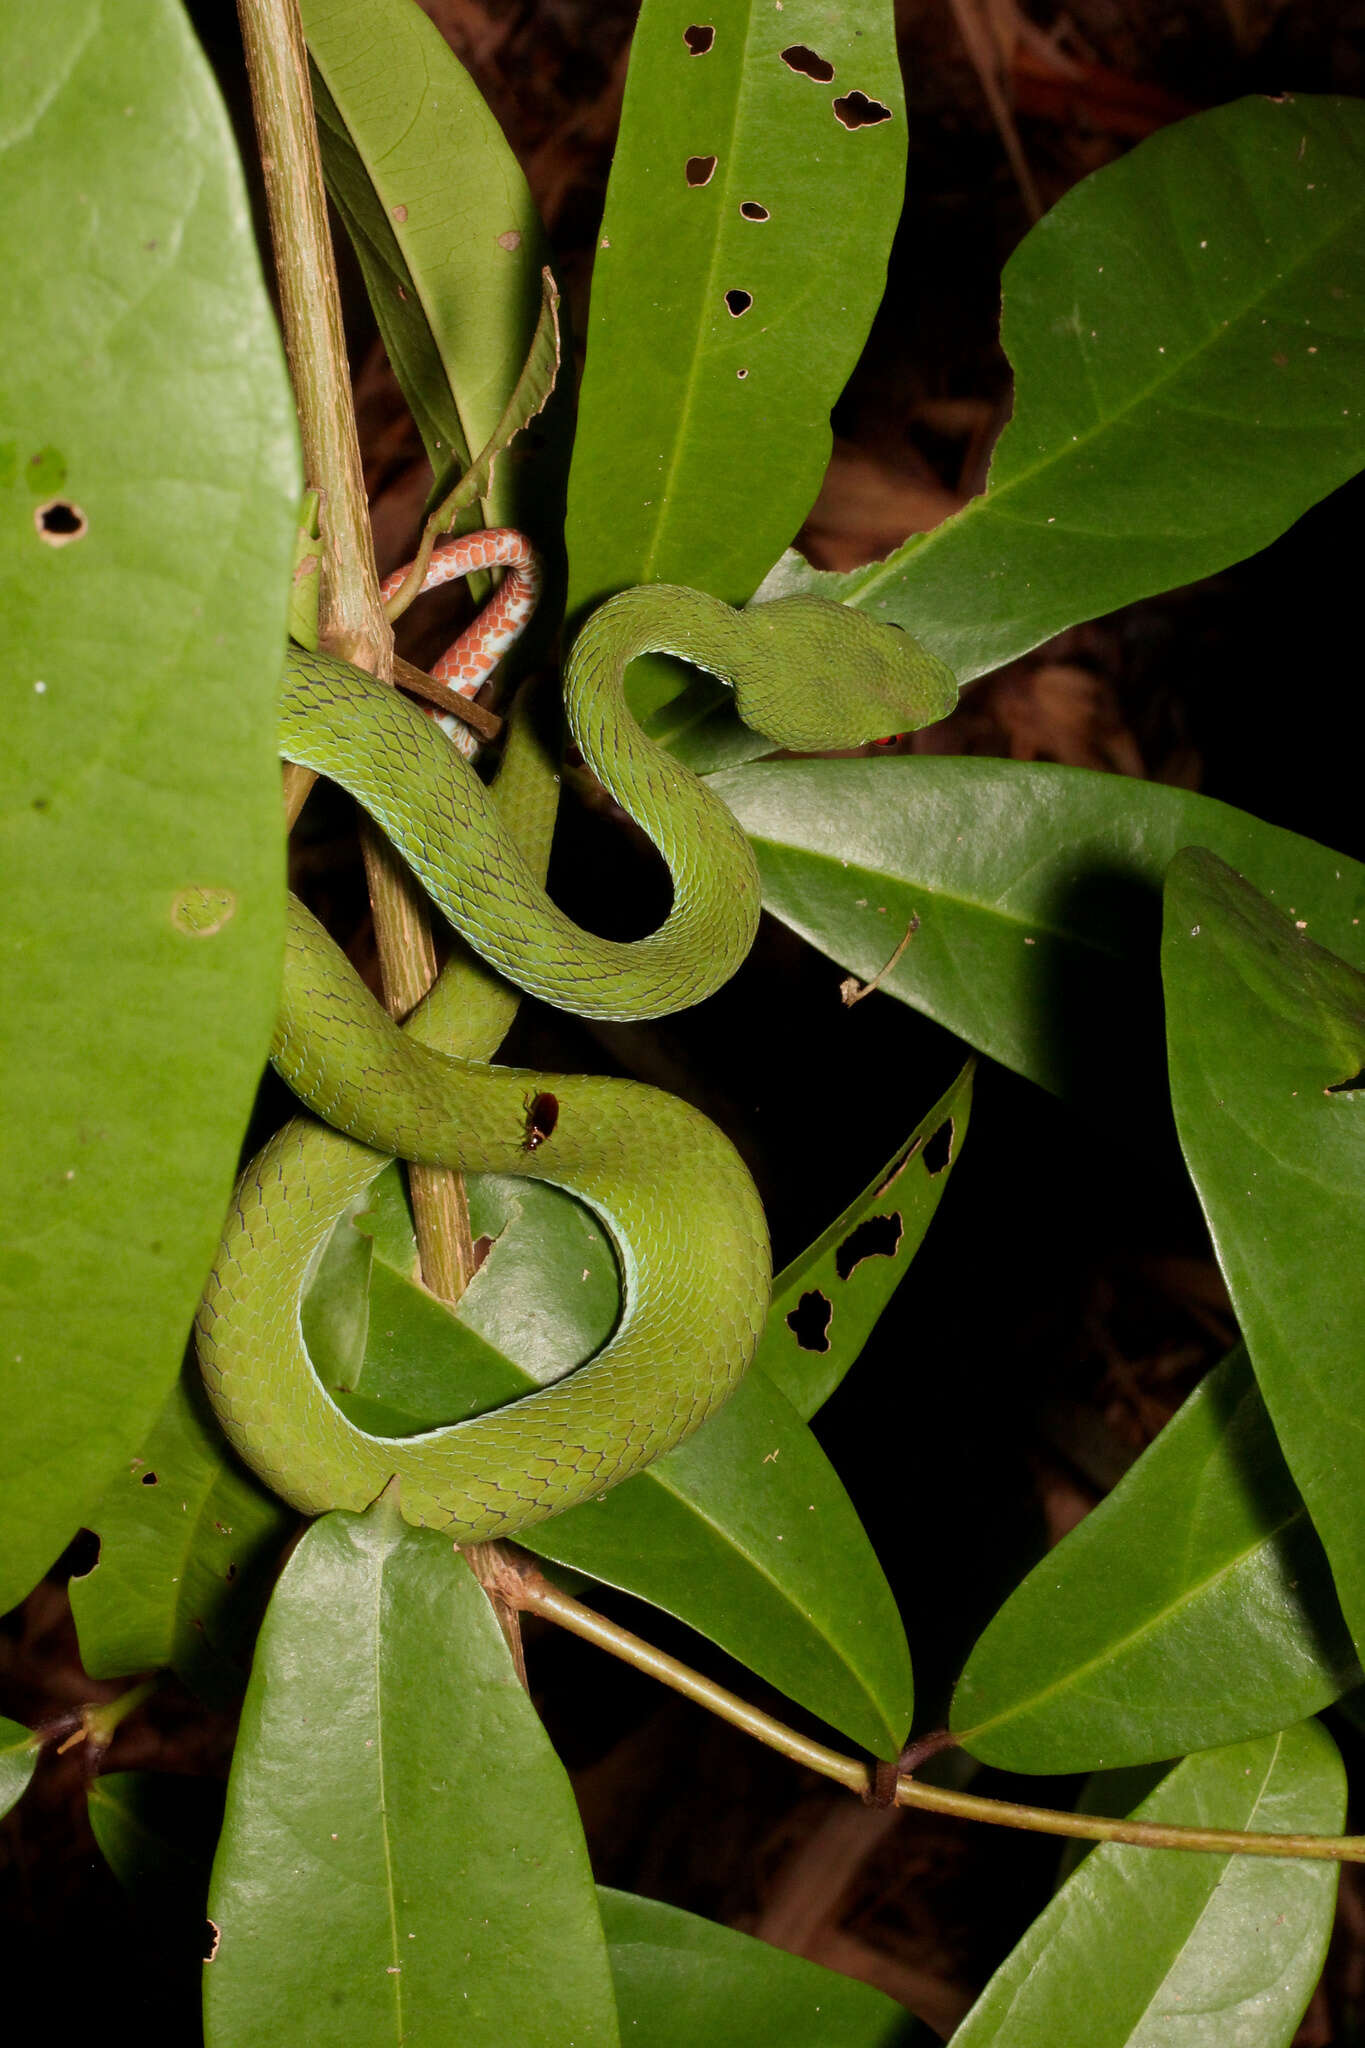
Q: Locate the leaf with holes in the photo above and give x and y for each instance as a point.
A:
(188, 1545)
(19, 1750)
(826, 1302)
(1266, 1032)
(441, 218)
(1186, 329)
(149, 485)
(398, 1827)
(1193, 1607)
(1154, 1945)
(754, 193)
(745, 1532)
(681, 1980)
(1037, 893)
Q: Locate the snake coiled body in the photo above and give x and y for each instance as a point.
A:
(674, 1196)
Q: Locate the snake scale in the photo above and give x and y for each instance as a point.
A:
(672, 1193)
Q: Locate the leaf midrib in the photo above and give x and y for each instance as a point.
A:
(1122, 1645)
(684, 413)
(1230, 1864)
(990, 499)
(395, 1973)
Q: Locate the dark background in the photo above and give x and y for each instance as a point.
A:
(1065, 1300)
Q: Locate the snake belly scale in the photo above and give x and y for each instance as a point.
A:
(675, 1198)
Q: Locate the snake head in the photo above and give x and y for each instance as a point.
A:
(817, 674)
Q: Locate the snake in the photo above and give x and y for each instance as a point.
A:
(675, 1198)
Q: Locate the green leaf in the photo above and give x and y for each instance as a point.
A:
(1266, 1033)
(441, 218)
(681, 1981)
(19, 1750)
(1037, 892)
(1107, 1793)
(826, 1302)
(395, 1358)
(145, 404)
(1155, 1945)
(547, 1294)
(306, 578)
(1187, 329)
(156, 1832)
(188, 1544)
(704, 431)
(745, 1532)
(401, 1859)
(403, 325)
(530, 395)
(1193, 1607)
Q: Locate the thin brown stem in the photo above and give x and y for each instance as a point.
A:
(535, 1593)
(498, 1572)
(298, 784)
(351, 618)
(532, 1591)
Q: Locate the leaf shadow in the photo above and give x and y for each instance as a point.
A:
(1304, 1571)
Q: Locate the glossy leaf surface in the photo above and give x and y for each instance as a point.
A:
(529, 396)
(741, 258)
(1038, 894)
(1154, 1945)
(543, 1300)
(1266, 1031)
(745, 1532)
(149, 484)
(188, 1543)
(408, 340)
(1187, 329)
(826, 1302)
(681, 1980)
(401, 1859)
(1192, 1608)
(441, 218)
(18, 1758)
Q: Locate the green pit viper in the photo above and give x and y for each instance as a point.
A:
(676, 1201)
